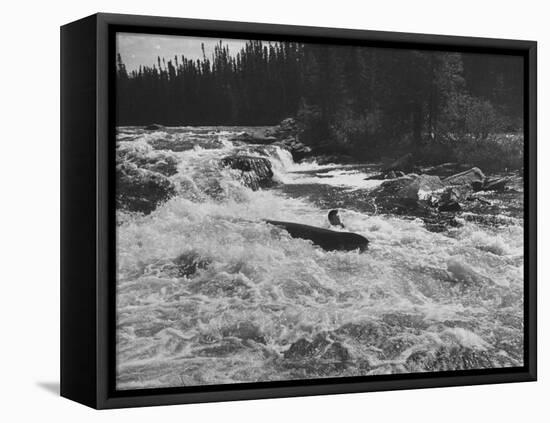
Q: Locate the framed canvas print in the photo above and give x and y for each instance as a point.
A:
(254, 211)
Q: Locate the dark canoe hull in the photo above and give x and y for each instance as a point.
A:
(324, 238)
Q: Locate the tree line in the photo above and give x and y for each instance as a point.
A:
(349, 97)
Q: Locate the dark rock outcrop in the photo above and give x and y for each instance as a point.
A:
(429, 191)
(298, 149)
(407, 192)
(433, 199)
(422, 195)
(142, 178)
(474, 178)
(387, 199)
(287, 134)
(391, 174)
(141, 189)
(288, 128)
(284, 135)
(448, 200)
(419, 187)
(256, 172)
(495, 184)
(461, 175)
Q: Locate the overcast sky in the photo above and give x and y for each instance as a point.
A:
(143, 49)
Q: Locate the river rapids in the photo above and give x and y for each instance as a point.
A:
(208, 293)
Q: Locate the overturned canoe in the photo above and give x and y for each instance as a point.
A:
(324, 238)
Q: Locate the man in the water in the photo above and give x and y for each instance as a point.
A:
(334, 218)
(327, 239)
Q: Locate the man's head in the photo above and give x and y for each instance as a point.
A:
(334, 218)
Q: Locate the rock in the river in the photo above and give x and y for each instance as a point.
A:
(448, 200)
(418, 194)
(142, 178)
(445, 169)
(496, 184)
(298, 149)
(420, 187)
(474, 178)
(287, 133)
(255, 171)
(288, 128)
(392, 174)
(140, 189)
(410, 188)
(396, 195)
(392, 187)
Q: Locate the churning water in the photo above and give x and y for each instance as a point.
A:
(207, 293)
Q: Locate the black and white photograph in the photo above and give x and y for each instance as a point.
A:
(291, 210)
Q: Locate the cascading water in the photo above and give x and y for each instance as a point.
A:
(208, 293)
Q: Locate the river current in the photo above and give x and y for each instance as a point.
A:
(208, 293)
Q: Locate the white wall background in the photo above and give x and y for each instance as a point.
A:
(29, 236)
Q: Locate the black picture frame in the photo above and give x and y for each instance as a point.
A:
(87, 211)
